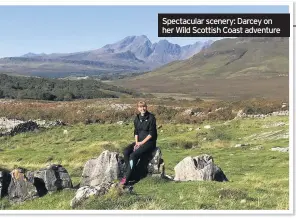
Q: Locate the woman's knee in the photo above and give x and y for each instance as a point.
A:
(126, 152)
(134, 156)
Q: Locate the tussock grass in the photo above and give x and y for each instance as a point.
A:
(105, 111)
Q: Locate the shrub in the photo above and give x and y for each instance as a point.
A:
(166, 113)
(218, 133)
(223, 114)
(258, 106)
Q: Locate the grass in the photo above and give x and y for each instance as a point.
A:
(259, 179)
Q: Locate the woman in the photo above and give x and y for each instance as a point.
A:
(145, 133)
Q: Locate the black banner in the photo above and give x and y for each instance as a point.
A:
(223, 25)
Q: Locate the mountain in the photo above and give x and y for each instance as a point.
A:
(228, 67)
(133, 54)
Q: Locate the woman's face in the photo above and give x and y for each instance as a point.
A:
(142, 109)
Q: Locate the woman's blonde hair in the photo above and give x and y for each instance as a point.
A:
(142, 103)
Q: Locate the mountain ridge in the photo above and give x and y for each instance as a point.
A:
(132, 54)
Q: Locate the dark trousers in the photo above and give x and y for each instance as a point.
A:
(132, 157)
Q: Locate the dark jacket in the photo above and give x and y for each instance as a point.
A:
(144, 126)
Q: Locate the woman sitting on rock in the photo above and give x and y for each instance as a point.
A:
(145, 133)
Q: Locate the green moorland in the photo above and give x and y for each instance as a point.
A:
(259, 179)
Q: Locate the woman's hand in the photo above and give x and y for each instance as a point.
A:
(138, 144)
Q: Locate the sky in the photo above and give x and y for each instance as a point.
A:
(65, 29)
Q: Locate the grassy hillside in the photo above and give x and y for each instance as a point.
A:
(259, 179)
(229, 68)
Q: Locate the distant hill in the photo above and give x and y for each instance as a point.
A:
(228, 68)
(19, 87)
(133, 54)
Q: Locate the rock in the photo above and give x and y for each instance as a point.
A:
(87, 121)
(207, 127)
(168, 177)
(187, 112)
(110, 166)
(6, 125)
(21, 186)
(100, 174)
(274, 125)
(220, 108)
(48, 124)
(259, 147)
(86, 191)
(12, 126)
(31, 184)
(200, 168)
(5, 178)
(24, 127)
(280, 149)
(241, 145)
(105, 168)
(120, 122)
(66, 181)
(82, 194)
(156, 165)
(280, 113)
(54, 177)
(120, 107)
(240, 114)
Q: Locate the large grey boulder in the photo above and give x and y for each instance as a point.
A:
(200, 168)
(54, 177)
(104, 169)
(99, 174)
(25, 185)
(109, 166)
(21, 186)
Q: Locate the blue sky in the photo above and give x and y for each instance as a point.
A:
(51, 29)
